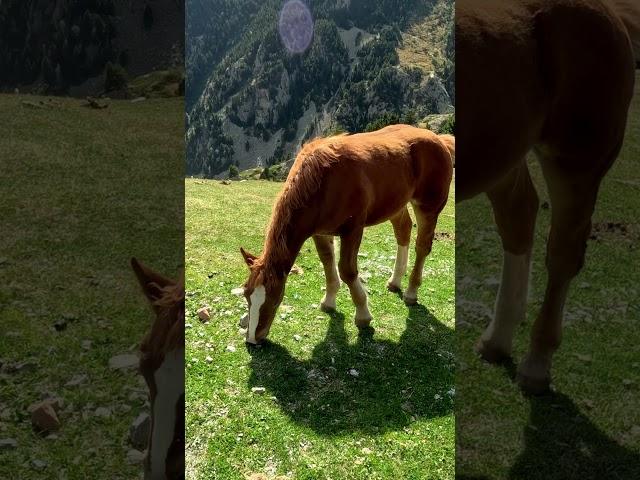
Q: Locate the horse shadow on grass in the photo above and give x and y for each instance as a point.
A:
(370, 386)
(562, 443)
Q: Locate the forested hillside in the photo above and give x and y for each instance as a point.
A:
(252, 102)
(53, 46)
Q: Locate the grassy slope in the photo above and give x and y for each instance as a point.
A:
(423, 42)
(315, 420)
(594, 421)
(82, 191)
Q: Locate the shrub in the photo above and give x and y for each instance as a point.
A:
(449, 125)
(387, 118)
(266, 174)
(233, 171)
(115, 77)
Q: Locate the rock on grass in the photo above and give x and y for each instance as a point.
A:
(135, 457)
(8, 444)
(139, 431)
(43, 417)
(203, 314)
(124, 361)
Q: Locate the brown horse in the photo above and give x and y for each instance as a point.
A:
(555, 78)
(338, 186)
(162, 366)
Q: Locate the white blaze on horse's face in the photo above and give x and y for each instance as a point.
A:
(257, 299)
(169, 380)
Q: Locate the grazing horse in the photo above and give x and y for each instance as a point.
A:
(338, 186)
(555, 78)
(162, 366)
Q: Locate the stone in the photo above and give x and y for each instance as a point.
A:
(76, 380)
(86, 344)
(258, 390)
(238, 291)
(135, 457)
(296, 270)
(103, 412)
(39, 464)
(124, 361)
(203, 314)
(8, 443)
(231, 348)
(209, 359)
(297, 338)
(139, 431)
(44, 417)
(354, 373)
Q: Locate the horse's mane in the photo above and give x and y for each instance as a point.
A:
(302, 183)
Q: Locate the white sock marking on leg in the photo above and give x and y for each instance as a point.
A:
(511, 302)
(400, 266)
(362, 310)
(169, 380)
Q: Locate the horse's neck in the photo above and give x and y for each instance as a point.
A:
(281, 252)
(629, 13)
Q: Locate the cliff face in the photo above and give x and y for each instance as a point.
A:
(260, 102)
(56, 46)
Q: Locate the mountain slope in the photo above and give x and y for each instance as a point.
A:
(260, 102)
(63, 46)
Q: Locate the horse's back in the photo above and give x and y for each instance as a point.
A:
(533, 72)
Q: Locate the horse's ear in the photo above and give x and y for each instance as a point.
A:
(249, 258)
(152, 283)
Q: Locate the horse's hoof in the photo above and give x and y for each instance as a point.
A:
(394, 288)
(533, 379)
(410, 301)
(532, 385)
(326, 308)
(491, 354)
(363, 322)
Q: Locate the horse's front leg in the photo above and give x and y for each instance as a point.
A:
(348, 267)
(402, 230)
(324, 246)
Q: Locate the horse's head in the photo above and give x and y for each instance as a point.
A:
(162, 366)
(263, 291)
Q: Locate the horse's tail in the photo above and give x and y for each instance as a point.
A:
(449, 141)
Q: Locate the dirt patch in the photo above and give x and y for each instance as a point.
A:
(444, 236)
(618, 230)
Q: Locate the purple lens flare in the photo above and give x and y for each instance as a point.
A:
(295, 26)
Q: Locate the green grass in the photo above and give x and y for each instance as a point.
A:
(83, 190)
(590, 428)
(315, 421)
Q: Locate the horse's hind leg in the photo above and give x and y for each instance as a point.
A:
(324, 246)
(515, 206)
(573, 195)
(426, 220)
(402, 229)
(348, 268)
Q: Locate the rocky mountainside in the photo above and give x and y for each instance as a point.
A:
(256, 91)
(64, 46)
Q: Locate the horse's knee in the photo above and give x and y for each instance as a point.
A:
(565, 255)
(347, 275)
